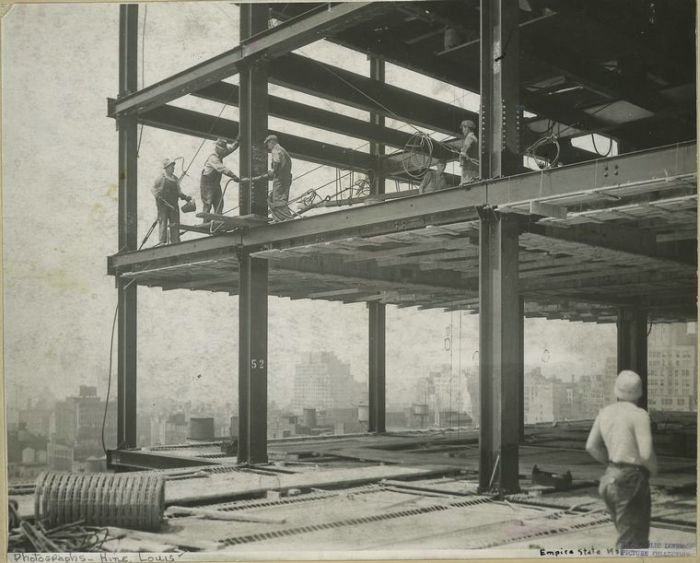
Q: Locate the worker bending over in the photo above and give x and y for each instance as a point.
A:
(621, 438)
(434, 180)
(469, 154)
(166, 190)
(214, 168)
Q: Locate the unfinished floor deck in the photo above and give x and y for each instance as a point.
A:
(594, 237)
(404, 491)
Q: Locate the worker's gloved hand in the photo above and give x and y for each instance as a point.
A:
(235, 178)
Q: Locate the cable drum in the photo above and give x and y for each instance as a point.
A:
(418, 155)
(135, 501)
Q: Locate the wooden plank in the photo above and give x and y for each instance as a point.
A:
(250, 220)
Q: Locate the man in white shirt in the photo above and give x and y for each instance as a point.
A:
(621, 438)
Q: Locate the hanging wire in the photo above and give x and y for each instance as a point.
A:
(143, 69)
(595, 148)
(542, 162)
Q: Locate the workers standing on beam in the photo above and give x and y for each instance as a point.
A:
(166, 189)
(214, 168)
(621, 439)
(434, 180)
(469, 154)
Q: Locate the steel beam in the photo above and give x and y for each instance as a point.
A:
(345, 87)
(521, 371)
(128, 231)
(499, 355)
(500, 307)
(201, 125)
(621, 238)
(252, 314)
(265, 44)
(312, 116)
(500, 106)
(377, 367)
(377, 150)
(632, 345)
(136, 460)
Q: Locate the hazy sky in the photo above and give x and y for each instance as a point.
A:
(60, 211)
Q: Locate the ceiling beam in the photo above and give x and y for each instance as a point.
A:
(620, 238)
(284, 38)
(188, 122)
(312, 116)
(339, 85)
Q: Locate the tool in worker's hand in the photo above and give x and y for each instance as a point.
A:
(190, 206)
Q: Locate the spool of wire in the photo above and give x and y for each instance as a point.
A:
(135, 501)
(418, 155)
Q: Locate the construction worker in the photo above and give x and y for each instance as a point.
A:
(214, 168)
(280, 173)
(469, 154)
(621, 439)
(434, 180)
(166, 190)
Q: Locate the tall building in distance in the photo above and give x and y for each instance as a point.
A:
(322, 381)
(76, 425)
(444, 394)
(672, 365)
(549, 399)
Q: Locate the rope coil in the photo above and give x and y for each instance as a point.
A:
(100, 499)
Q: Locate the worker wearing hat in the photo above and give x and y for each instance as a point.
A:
(621, 439)
(469, 154)
(166, 190)
(434, 180)
(280, 173)
(214, 168)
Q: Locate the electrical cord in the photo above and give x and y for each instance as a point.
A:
(541, 162)
(595, 148)
(143, 69)
(109, 378)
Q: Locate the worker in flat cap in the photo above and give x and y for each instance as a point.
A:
(214, 168)
(469, 154)
(621, 439)
(166, 189)
(434, 180)
(280, 173)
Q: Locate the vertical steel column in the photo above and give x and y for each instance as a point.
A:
(377, 150)
(377, 367)
(252, 314)
(521, 372)
(128, 230)
(500, 359)
(632, 345)
(499, 301)
(377, 311)
(500, 115)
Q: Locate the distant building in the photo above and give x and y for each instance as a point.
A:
(549, 399)
(672, 366)
(176, 429)
(26, 453)
(77, 422)
(539, 397)
(322, 381)
(60, 456)
(445, 394)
